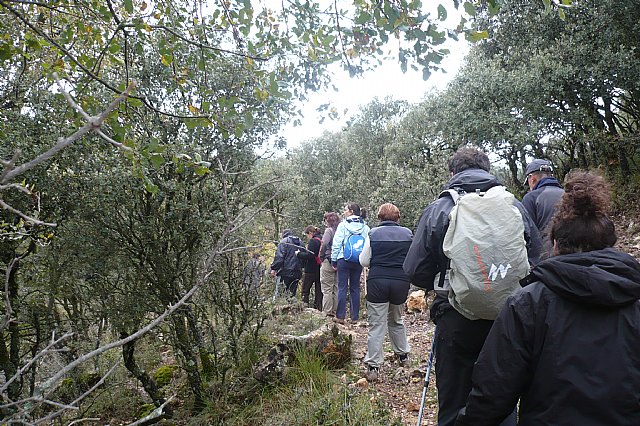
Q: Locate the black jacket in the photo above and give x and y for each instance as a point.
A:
(285, 260)
(425, 258)
(308, 256)
(568, 346)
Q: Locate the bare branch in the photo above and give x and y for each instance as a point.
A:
(28, 365)
(56, 377)
(27, 218)
(93, 124)
(153, 415)
(73, 405)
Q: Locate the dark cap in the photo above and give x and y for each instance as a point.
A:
(538, 165)
(286, 233)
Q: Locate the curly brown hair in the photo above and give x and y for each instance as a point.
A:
(581, 221)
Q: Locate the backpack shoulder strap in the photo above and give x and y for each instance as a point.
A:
(455, 194)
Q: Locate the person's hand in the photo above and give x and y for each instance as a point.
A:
(334, 265)
(296, 252)
(272, 273)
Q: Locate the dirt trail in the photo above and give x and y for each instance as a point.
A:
(401, 388)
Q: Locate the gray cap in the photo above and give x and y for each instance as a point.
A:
(539, 165)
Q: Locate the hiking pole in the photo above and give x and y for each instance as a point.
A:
(426, 378)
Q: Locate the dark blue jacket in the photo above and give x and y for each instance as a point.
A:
(389, 244)
(540, 203)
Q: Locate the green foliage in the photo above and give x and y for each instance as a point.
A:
(164, 374)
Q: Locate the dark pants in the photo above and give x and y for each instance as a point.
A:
(458, 344)
(348, 277)
(291, 284)
(312, 278)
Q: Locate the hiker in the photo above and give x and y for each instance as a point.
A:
(286, 265)
(352, 228)
(387, 288)
(328, 278)
(311, 258)
(540, 202)
(252, 275)
(459, 339)
(566, 345)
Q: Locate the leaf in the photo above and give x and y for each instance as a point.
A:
(442, 12)
(128, 6)
(151, 187)
(156, 160)
(470, 9)
(201, 170)
(474, 36)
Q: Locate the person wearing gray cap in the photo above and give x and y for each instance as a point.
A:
(540, 202)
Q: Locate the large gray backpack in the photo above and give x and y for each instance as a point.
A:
(487, 251)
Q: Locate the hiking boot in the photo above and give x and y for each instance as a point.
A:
(372, 374)
(338, 320)
(403, 360)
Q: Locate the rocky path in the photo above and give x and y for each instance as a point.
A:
(400, 389)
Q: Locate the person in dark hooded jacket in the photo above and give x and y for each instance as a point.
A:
(540, 203)
(286, 265)
(568, 344)
(458, 339)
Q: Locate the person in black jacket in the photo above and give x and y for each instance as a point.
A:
(540, 202)
(311, 258)
(387, 287)
(568, 344)
(458, 339)
(286, 265)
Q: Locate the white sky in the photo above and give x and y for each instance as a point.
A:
(386, 80)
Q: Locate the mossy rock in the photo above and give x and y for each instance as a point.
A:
(145, 410)
(164, 374)
(66, 390)
(86, 381)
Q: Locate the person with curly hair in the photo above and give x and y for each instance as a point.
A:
(567, 344)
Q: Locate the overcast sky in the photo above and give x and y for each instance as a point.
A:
(387, 80)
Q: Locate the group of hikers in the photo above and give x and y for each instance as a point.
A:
(537, 315)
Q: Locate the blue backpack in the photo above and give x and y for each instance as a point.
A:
(352, 248)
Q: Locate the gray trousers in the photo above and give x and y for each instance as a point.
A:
(329, 286)
(383, 316)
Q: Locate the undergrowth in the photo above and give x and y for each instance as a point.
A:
(309, 394)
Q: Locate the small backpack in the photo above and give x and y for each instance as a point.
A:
(352, 248)
(318, 260)
(487, 251)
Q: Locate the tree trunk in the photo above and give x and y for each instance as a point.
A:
(190, 365)
(149, 385)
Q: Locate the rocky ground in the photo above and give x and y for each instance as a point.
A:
(401, 388)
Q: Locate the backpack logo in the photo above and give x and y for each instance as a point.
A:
(486, 246)
(493, 273)
(353, 246)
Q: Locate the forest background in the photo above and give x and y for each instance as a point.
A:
(140, 170)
